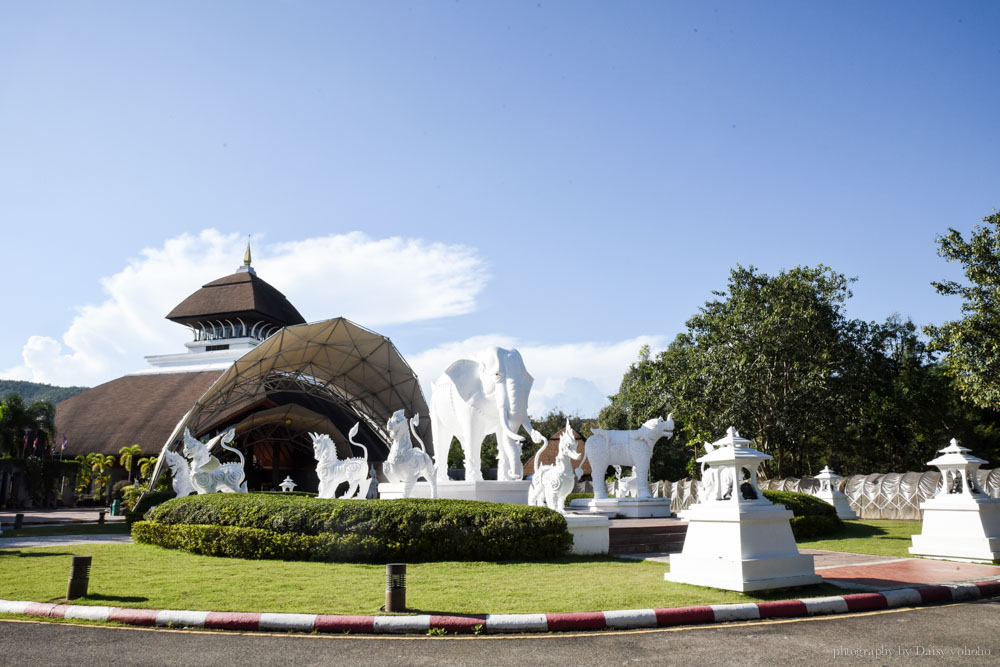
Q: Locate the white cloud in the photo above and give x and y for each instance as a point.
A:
(573, 377)
(373, 281)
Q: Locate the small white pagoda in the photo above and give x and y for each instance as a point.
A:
(736, 538)
(961, 522)
(828, 492)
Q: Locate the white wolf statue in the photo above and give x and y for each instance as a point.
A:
(405, 463)
(332, 471)
(625, 448)
(180, 474)
(208, 474)
(552, 483)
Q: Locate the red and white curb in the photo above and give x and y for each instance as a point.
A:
(513, 623)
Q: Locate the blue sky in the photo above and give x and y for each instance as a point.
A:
(572, 178)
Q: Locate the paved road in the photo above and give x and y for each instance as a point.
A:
(904, 637)
(61, 541)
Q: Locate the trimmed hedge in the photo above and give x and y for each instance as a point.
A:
(285, 527)
(812, 517)
(148, 501)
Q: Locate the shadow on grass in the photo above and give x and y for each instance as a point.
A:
(20, 554)
(115, 598)
(854, 531)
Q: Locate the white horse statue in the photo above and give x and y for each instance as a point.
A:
(208, 474)
(331, 471)
(552, 483)
(405, 463)
(180, 474)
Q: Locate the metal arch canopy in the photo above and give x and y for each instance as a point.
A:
(335, 359)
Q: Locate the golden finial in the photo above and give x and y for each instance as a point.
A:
(246, 255)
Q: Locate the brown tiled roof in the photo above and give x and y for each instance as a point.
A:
(549, 455)
(132, 410)
(241, 294)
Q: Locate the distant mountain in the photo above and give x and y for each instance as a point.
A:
(34, 391)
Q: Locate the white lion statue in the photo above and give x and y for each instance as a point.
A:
(626, 487)
(625, 448)
(552, 483)
(180, 474)
(208, 474)
(331, 471)
(405, 463)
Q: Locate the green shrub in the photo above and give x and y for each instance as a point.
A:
(287, 527)
(812, 517)
(577, 496)
(146, 502)
(811, 527)
(801, 504)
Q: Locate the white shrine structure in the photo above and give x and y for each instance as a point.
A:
(961, 522)
(829, 493)
(737, 539)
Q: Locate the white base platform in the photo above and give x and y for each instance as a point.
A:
(630, 508)
(840, 502)
(959, 528)
(590, 534)
(490, 491)
(740, 546)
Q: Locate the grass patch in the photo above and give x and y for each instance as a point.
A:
(881, 538)
(117, 528)
(144, 576)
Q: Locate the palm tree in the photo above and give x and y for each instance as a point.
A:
(146, 465)
(99, 463)
(129, 454)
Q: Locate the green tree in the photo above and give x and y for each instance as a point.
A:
(129, 454)
(146, 466)
(972, 343)
(101, 464)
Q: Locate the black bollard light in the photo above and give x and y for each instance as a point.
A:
(100, 517)
(395, 587)
(79, 577)
(18, 521)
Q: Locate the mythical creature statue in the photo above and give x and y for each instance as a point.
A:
(405, 463)
(552, 483)
(208, 474)
(627, 448)
(180, 473)
(332, 471)
(626, 487)
(716, 483)
(473, 398)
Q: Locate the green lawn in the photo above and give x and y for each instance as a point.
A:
(882, 538)
(117, 528)
(136, 575)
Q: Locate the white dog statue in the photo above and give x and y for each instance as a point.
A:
(552, 483)
(405, 463)
(331, 471)
(625, 448)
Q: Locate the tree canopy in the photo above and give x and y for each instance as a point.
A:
(776, 357)
(972, 343)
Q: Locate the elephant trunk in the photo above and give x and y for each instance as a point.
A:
(511, 409)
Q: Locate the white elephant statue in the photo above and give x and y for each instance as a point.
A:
(473, 398)
(625, 448)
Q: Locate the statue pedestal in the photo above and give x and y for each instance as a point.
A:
(630, 508)
(492, 491)
(590, 534)
(959, 527)
(840, 502)
(744, 545)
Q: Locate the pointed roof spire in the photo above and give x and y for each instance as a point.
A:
(245, 267)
